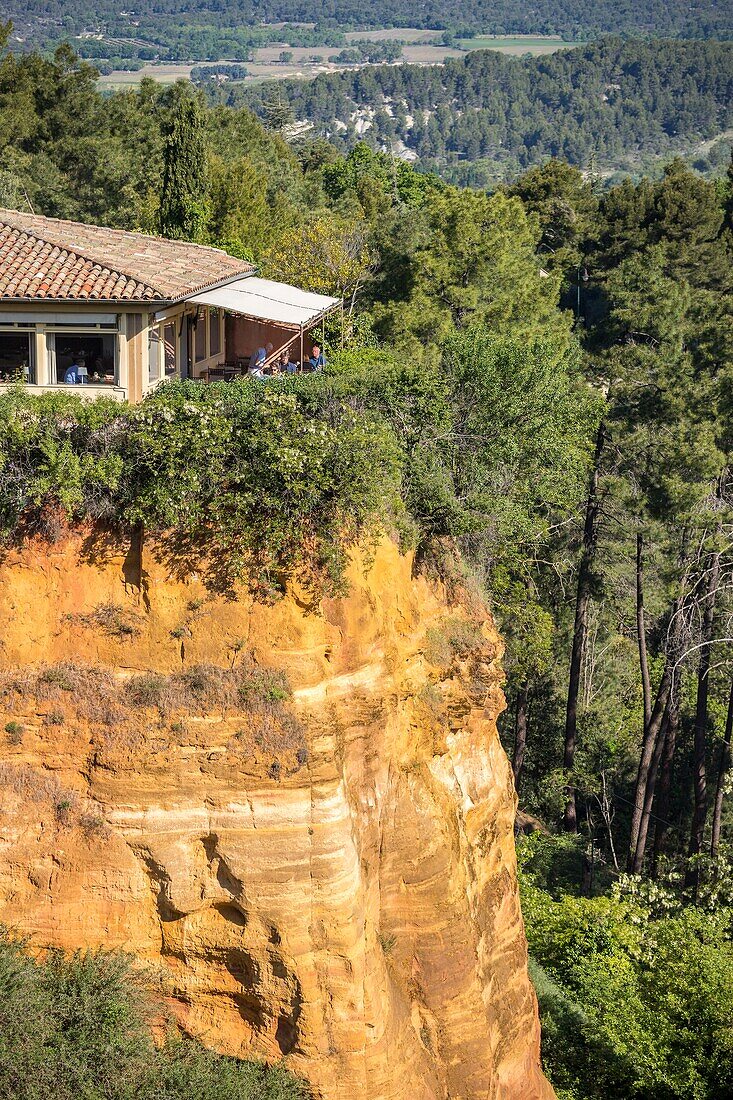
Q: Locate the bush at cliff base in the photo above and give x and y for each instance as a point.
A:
(79, 1028)
(640, 991)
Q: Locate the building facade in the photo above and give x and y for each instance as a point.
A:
(115, 313)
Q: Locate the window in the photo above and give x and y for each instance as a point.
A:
(16, 357)
(214, 331)
(169, 343)
(82, 357)
(201, 335)
(154, 355)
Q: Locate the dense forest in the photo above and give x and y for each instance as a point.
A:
(180, 30)
(536, 396)
(614, 102)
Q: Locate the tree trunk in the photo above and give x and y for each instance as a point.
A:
(723, 769)
(651, 784)
(700, 783)
(665, 783)
(651, 733)
(580, 631)
(641, 630)
(520, 734)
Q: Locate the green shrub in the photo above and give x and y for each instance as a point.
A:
(56, 676)
(80, 1027)
(259, 687)
(145, 690)
(646, 1001)
(258, 483)
(15, 731)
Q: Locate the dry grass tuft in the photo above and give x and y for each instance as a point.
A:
(455, 639)
(112, 619)
(90, 690)
(34, 786)
(204, 689)
(261, 696)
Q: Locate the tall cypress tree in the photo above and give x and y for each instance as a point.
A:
(183, 206)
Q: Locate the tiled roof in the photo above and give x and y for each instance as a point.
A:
(45, 258)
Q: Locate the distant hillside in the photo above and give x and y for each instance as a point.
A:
(616, 102)
(225, 29)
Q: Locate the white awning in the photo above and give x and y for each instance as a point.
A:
(265, 300)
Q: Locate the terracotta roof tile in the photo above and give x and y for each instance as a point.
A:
(68, 261)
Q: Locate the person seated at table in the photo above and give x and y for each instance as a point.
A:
(317, 360)
(98, 374)
(259, 357)
(73, 375)
(286, 364)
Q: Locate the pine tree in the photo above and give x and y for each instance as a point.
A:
(183, 205)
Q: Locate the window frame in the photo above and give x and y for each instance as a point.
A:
(171, 322)
(71, 330)
(202, 326)
(12, 329)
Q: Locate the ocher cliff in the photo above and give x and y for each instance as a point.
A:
(330, 877)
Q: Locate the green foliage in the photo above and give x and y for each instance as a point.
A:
(80, 1027)
(183, 200)
(328, 255)
(646, 1002)
(494, 435)
(566, 208)
(465, 259)
(261, 481)
(616, 103)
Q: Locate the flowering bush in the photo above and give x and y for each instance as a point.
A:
(248, 482)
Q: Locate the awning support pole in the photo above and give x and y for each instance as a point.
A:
(301, 349)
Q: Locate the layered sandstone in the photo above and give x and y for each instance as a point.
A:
(348, 902)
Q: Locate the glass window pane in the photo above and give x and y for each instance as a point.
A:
(214, 332)
(169, 340)
(201, 336)
(154, 345)
(16, 357)
(84, 358)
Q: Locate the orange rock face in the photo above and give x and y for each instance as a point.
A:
(342, 894)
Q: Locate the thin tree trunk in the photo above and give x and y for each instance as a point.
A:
(520, 734)
(651, 733)
(607, 813)
(641, 630)
(651, 784)
(700, 781)
(580, 631)
(723, 769)
(664, 786)
(665, 783)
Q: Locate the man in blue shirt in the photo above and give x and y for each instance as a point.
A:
(317, 359)
(259, 357)
(72, 374)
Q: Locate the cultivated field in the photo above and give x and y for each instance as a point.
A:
(518, 45)
(422, 49)
(394, 34)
